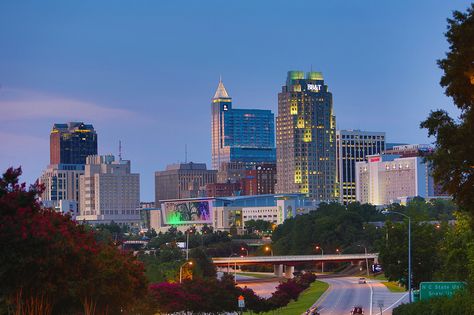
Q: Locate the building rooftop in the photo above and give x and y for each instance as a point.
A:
(187, 166)
(221, 92)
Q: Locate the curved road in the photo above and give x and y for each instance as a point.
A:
(344, 293)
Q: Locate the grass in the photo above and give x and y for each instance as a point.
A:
(378, 277)
(393, 286)
(256, 275)
(307, 298)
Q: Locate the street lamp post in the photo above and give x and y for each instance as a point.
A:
(187, 244)
(366, 259)
(267, 248)
(235, 267)
(322, 254)
(409, 251)
(181, 270)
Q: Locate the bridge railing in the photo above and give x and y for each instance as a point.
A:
(292, 258)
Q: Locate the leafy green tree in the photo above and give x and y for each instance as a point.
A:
(202, 265)
(426, 258)
(258, 225)
(454, 250)
(453, 159)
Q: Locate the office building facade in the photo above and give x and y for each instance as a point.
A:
(61, 183)
(183, 180)
(353, 146)
(261, 180)
(306, 137)
(224, 213)
(71, 143)
(240, 135)
(109, 192)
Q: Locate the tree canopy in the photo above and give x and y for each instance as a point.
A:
(453, 159)
(50, 264)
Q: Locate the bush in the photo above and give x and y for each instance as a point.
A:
(459, 304)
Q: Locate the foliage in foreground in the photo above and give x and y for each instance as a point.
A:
(453, 159)
(459, 304)
(51, 265)
(209, 295)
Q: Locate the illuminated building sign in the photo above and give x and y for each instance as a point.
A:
(374, 159)
(187, 212)
(314, 87)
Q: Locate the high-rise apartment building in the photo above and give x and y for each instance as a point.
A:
(353, 146)
(109, 192)
(182, 180)
(240, 135)
(306, 137)
(71, 143)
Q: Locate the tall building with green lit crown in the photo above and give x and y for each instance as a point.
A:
(306, 137)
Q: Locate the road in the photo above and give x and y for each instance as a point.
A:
(261, 287)
(345, 292)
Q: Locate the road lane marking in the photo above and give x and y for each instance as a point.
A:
(391, 306)
(324, 296)
(371, 297)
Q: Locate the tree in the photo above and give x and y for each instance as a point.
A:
(50, 264)
(426, 239)
(258, 225)
(202, 265)
(454, 250)
(453, 160)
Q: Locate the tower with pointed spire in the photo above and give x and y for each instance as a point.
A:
(240, 135)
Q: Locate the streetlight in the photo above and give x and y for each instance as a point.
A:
(267, 248)
(322, 254)
(181, 270)
(245, 249)
(409, 249)
(366, 259)
(338, 251)
(235, 267)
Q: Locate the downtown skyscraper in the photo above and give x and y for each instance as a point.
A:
(354, 146)
(240, 135)
(306, 137)
(71, 143)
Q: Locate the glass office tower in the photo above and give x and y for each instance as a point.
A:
(306, 137)
(240, 135)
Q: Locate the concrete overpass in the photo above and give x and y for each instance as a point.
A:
(290, 261)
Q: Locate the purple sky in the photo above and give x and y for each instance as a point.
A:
(144, 71)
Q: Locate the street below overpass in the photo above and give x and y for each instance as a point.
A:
(343, 294)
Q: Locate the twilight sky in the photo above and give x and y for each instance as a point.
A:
(144, 71)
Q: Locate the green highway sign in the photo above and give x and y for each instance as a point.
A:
(429, 290)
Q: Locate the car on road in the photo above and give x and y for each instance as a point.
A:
(362, 281)
(312, 311)
(357, 310)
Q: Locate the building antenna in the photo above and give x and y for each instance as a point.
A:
(185, 154)
(120, 150)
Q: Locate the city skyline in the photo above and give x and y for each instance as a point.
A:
(59, 68)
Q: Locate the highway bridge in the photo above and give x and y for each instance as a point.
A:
(287, 263)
